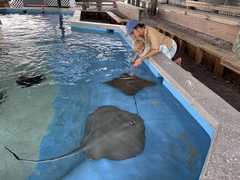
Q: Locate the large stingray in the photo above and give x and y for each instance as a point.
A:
(29, 80)
(110, 133)
(129, 84)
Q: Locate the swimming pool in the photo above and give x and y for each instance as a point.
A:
(48, 119)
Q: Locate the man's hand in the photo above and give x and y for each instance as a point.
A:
(137, 62)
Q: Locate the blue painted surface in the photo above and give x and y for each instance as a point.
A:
(206, 126)
(176, 145)
(172, 150)
(153, 69)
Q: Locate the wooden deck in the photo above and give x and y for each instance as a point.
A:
(210, 23)
(117, 16)
(223, 58)
(221, 9)
(100, 5)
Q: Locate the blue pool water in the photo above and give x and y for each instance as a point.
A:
(76, 63)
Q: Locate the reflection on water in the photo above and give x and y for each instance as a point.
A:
(44, 45)
(33, 43)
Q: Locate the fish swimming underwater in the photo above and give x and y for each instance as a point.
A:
(110, 133)
(3, 96)
(129, 84)
(30, 80)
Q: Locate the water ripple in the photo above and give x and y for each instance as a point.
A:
(35, 44)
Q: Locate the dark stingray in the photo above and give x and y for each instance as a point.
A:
(110, 133)
(129, 84)
(29, 80)
(3, 96)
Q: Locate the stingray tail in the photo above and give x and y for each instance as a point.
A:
(14, 154)
(72, 153)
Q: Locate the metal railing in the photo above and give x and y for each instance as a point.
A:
(98, 4)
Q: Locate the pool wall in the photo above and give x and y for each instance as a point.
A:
(220, 120)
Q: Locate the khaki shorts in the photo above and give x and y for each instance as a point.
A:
(169, 52)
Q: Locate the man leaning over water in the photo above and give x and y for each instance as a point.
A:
(157, 41)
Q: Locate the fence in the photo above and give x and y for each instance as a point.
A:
(38, 3)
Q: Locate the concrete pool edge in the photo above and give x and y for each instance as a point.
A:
(223, 152)
(218, 114)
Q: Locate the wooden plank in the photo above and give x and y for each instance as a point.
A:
(117, 18)
(231, 61)
(202, 22)
(200, 14)
(130, 11)
(205, 15)
(208, 6)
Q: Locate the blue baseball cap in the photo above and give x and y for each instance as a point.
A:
(131, 25)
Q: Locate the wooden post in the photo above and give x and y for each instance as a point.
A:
(99, 5)
(181, 43)
(181, 48)
(4, 3)
(218, 68)
(138, 3)
(154, 7)
(133, 2)
(198, 55)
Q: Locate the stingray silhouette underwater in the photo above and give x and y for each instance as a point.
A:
(110, 133)
(3, 96)
(129, 84)
(30, 80)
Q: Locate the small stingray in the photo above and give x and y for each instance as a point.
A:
(110, 133)
(30, 80)
(129, 84)
(3, 96)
